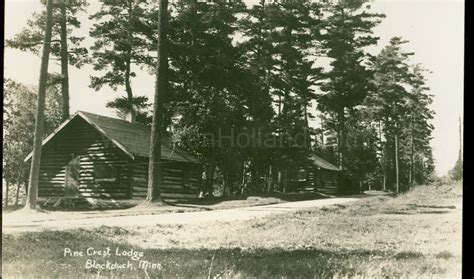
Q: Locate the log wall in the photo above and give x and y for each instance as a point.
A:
(324, 181)
(180, 180)
(94, 151)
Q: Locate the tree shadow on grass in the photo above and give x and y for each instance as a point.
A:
(397, 212)
(44, 256)
(286, 197)
(433, 206)
(98, 205)
(414, 209)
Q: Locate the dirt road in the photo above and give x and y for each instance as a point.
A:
(16, 222)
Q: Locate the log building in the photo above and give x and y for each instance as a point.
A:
(323, 176)
(93, 156)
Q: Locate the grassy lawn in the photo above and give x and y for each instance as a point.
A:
(417, 234)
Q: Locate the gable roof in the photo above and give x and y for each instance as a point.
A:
(321, 163)
(131, 138)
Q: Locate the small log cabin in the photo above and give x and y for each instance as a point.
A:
(320, 176)
(324, 176)
(93, 156)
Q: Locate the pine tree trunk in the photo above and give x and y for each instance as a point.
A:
(18, 185)
(307, 144)
(226, 186)
(397, 182)
(279, 105)
(209, 183)
(193, 33)
(460, 141)
(128, 86)
(415, 180)
(243, 179)
(412, 161)
(279, 180)
(6, 193)
(341, 138)
(385, 181)
(64, 63)
(385, 165)
(31, 199)
(384, 160)
(322, 133)
(26, 186)
(128, 89)
(17, 196)
(270, 178)
(161, 86)
(253, 175)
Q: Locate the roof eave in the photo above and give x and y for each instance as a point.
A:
(119, 145)
(65, 123)
(48, 138)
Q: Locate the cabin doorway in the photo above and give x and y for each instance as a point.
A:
(72, 176)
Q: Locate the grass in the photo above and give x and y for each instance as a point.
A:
(416, 234)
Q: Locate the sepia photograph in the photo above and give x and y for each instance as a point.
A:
(233, 139)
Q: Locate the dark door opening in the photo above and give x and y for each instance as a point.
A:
(72, 176)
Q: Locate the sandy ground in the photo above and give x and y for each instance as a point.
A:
(15, 222)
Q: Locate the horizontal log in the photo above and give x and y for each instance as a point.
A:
(169, 170)
(49, 177)
(52, 195)
(171, 183)
(139, 189)
(139, 179)
(107, 162)
(50, 184)
(112, 196)
(168, 189)
(119, 191)
(173, 178)
(179, 196)
(47, 166)
(49, 191)
(103, 184)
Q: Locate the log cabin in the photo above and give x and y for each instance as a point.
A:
(324, 176)
(94, 156)
(313, 173)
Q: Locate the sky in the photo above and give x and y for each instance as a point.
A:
(434, 29)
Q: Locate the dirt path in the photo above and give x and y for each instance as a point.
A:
(15, 222)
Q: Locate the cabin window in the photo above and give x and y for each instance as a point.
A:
(105, 173)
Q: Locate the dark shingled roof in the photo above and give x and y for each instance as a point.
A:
(321, 163)
(133, 139)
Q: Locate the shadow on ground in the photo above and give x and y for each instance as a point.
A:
(412, 209)
(42, 254)
(198, 204)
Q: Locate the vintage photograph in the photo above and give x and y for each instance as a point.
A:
(233, 139)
